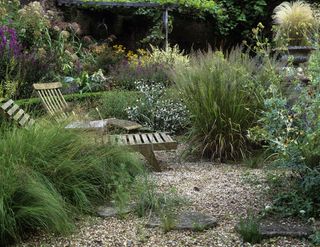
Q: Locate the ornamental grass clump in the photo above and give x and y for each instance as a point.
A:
(295, 23)
(49, 174)
(223, 96)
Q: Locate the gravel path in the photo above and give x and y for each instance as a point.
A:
(224, 191)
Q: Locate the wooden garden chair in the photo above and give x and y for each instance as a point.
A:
(14, 112)
(145, 143)
(55, 104)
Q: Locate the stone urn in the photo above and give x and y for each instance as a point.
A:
(300, 54)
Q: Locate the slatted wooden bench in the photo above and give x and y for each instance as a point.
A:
(146, 144)
(13, 111)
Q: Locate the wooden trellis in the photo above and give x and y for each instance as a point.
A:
(102, 4)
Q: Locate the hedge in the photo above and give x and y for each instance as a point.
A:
(86, 100)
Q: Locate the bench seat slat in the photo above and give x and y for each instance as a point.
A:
(151, 138)
(158, 137)
(24, 119)
(146, 144)
(6, 105)
(131, 140)
(13, 110)
(145, 139)
(166, 137)
(31, 122)
(18, 115)
(137, 138)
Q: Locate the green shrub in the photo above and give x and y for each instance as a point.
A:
(169, 58)
(49, 174)
(223, 95)
(157, 109)
(104, 57)
(248, 228)
(295, 194)
(115, 103)
(8, 11)
(32, 24)
(289, 126)
(315, 238)
(257, 159)
(125, 74)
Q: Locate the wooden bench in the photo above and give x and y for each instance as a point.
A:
(13, 111)
(146, 144)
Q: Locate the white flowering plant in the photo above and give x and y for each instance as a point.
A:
(8, 10)
(33, 22)
(156, 111)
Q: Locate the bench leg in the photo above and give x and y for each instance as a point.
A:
(151, 158)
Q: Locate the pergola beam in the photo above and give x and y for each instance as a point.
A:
(116, 4)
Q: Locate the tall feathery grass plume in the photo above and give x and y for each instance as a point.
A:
(294, 22)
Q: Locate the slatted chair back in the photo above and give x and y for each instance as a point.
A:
(55, 104)
(13, 111)
(52, 99)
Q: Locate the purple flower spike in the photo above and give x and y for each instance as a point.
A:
(9, 35)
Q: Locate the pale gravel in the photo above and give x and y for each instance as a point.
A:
(226, 192)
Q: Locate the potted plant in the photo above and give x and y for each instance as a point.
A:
(295, 30)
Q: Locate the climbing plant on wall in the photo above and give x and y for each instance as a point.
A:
(202, 5)
(241, 15)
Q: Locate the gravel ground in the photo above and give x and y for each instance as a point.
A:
(225, 192)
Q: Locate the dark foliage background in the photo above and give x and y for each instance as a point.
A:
(189, 29)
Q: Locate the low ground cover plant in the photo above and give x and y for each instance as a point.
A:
(148, 200)
(249, 229)
(48, 175)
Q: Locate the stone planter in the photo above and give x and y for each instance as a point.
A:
(300, 54)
